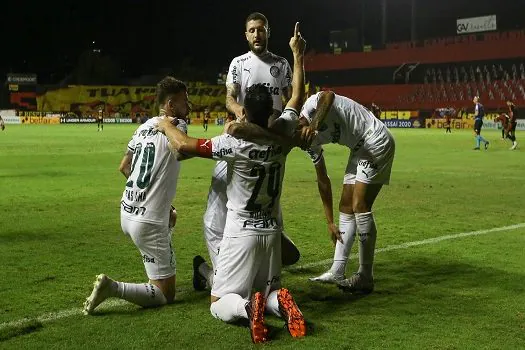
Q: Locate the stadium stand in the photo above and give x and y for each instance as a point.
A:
(430, 73)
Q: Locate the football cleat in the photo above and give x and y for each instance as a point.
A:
(292, 315)
(255, 310)
(328, 277)
(199, 281)
(101, 291)
(487, 145)
(358, 283)
(514, 145)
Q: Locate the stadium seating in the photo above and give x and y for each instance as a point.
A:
(429, 74)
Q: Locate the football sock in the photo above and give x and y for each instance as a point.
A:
(272, 304)
(143, 294)
(478, 138)
(502, 133)
(229, 308)
(482, 139)
(207, 272)
(347, 227)
(367, 242)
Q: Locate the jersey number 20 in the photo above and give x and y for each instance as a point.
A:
(273, 185)
(146, 165)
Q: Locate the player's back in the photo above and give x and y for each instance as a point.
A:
(348, 123)
(255, 185)
(152, 183)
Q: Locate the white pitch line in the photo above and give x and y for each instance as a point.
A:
(53, 316)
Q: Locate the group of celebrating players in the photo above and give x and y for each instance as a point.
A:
(243, 225)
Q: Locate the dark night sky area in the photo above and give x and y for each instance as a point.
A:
(47, 37)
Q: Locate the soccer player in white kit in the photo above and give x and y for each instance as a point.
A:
(152, 170)
(257, 66)
(369, 166)
(250, 255)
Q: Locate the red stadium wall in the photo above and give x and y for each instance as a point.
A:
(456, 49)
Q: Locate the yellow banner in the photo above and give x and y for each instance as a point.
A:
(126, 100)
(39, 120)
(454, 123)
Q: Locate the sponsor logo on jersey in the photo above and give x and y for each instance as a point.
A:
(131, 209)
(274, 90)
(148, 259)
(135, 196)
(275, 71)
(367, 164)
(264, 155)
(261, 223)
(235, 75)
(222, 152)
(275, 279)
(248, 70)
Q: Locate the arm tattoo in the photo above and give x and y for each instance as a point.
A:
(232, 91)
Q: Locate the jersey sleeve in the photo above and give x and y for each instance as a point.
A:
(291, 119)
(132, 143)
(234, 73)
(315, 153)
(287, 76)
(223, 147)
(310, 106)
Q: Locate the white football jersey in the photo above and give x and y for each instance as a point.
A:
(152, 183)
(254, 186)
(348, 123)
(271, 70)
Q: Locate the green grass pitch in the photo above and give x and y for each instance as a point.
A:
(59, 226)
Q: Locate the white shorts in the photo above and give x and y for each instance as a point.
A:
(372, 163)
(215, 215)
(246, 263)
(154, 244)
(213, 240)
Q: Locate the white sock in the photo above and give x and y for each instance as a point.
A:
(367, 242)
(272, 304)
(143, 294)
(207, 272)
(347, 227)
(229, 308)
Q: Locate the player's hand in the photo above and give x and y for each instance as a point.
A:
(335, 233)
(164, 123)
(297, 43)
(173, 218)
(240, 114)
(304, 137)
(229, 127)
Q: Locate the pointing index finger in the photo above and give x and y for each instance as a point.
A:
(296, 30)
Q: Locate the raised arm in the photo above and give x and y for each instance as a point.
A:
(298, 45)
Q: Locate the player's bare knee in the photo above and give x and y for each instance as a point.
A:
(360, 206)
(213, 299)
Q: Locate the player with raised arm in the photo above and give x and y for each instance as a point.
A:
(257, 66)
(369, 166)
(250, 255)
(151, 170)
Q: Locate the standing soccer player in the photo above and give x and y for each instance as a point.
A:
(369, 166)
(146, 215)
(258, 66)
(100, 120)
(448, 123)
(250, 256)
(503, 118)
(206, 119)
(2, 124)
(479, 113)
(511, 127)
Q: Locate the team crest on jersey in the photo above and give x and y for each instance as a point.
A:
(275, 71)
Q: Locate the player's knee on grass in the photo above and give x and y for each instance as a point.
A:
(167, 286)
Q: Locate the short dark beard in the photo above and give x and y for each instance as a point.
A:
(258, 51)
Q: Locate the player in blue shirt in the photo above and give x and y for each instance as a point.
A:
(479, 113)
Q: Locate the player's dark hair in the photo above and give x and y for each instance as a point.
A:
(258, 104)
(254, 16)
(167, 87)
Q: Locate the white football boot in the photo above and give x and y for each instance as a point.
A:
(328, 277)
(103, 289)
